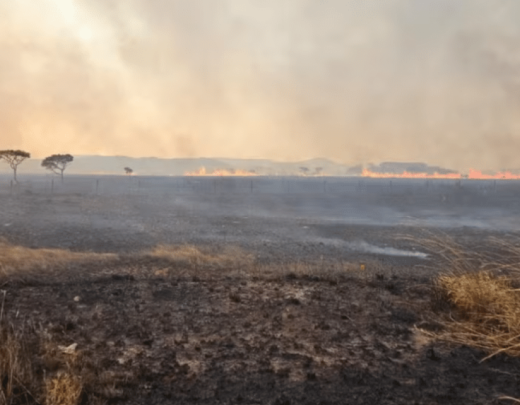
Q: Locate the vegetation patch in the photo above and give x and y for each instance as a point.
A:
(19, 262)
(192, 256)
(480, 297)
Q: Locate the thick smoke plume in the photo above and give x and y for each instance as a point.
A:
(356, 81)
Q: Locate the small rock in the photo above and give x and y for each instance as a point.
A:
(76, 298)
(432, 355)
(68, 349)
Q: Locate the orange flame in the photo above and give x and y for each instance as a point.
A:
(220, 172)
(409, 175)
(476, 174)
(473, 174)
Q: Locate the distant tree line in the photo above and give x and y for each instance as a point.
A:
(306, 171)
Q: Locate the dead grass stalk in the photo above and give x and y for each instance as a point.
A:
(16, 378)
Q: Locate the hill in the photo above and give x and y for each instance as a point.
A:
(152, 166)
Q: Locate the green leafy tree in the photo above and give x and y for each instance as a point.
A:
(14, 158)
(57, 163)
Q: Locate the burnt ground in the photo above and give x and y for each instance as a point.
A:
(154, 331)
(208, 337)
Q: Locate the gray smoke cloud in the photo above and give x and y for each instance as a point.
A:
(431, 80)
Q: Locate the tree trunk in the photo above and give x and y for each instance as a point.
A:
(62, 177)
(14, 170)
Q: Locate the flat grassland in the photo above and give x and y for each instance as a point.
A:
(272, 291)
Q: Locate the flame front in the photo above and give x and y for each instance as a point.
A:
(220, 172)
(473, 174)
(476, 174)
(409, 175)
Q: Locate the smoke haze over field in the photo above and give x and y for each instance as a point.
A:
(407, 80)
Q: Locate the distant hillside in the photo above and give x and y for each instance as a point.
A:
(151, 166)
(414, 167)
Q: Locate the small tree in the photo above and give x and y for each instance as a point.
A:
(318, 170)
(128, 170)
(57, 163)
(14, 158)
(304, 170)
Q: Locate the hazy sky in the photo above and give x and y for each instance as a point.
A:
(355, 81)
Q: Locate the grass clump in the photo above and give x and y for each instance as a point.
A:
(63, 389)
(485, 311)
(481, 296)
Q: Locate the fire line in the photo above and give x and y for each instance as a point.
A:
(472, 174)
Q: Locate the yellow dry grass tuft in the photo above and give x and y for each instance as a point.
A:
(63, 389)
(15, 365)
(192, 256)
(19, 260)
(482, 294)
(486, 311)
(484, 303)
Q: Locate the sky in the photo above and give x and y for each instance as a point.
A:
(435, 81)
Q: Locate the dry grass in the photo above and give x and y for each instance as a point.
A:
(192, 256)
(326, 270)
(18, 382)
(63, 389)
(19, 261)
(481, 290)
(15, 366)
(16, 377)
(20, 347)
(234, 261)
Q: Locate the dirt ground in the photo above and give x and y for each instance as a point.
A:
(299, 323)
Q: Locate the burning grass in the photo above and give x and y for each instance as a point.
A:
(482, 296)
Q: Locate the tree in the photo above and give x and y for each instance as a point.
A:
(57, 163)
(128, 170)
(304, 170)
(318, 170)
(14, 158)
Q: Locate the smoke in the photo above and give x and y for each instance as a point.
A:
(433, 80)
(365, 247)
